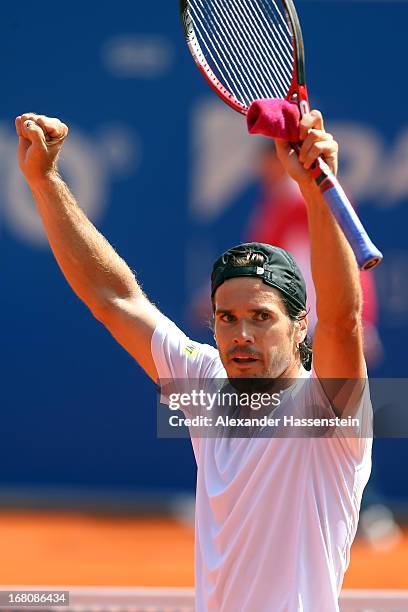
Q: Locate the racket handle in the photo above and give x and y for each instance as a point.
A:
(367, 254)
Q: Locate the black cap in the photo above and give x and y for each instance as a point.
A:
(278, 270)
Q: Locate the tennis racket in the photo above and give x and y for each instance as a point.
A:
(251, 50)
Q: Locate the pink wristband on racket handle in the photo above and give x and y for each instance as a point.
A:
(275, 119)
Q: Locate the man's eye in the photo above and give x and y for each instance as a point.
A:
(263, 316)
(227, 317)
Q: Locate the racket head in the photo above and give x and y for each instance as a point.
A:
(247, 50)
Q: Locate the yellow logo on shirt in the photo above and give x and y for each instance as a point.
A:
(191, 349)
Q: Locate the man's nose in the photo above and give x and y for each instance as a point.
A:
(243, 333)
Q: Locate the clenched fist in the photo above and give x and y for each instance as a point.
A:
(40, 141)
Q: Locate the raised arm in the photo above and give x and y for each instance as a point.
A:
(338, 337)
(91, 266)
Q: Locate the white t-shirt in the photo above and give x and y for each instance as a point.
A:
(275, 517)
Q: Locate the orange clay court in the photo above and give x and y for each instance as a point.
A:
(86, 550)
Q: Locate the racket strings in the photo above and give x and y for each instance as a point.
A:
(246, 88)
(248, 45)
(268, 25)
(278, 76)
(283, 35)
(229, 54)
(250, 87)
(268, 73)
(236, 25)
(248, 84)
(277, 15)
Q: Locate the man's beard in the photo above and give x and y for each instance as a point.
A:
(263, 381)
(256, 384)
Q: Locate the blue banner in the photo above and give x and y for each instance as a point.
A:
(166, 172)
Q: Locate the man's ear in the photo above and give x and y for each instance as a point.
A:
(301, 329)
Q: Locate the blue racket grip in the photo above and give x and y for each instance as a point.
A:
(367, 254)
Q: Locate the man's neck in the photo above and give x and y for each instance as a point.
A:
(295, 370)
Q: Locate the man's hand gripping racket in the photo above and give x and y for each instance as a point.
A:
(299, 156)
(251, 53)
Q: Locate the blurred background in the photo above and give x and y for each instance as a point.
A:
(88, 494)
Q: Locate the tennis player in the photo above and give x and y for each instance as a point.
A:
(275, 517)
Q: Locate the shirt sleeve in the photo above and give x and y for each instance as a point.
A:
(177, 356)
(182, 367)
(181, 363)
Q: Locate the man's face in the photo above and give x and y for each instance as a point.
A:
(254, 334)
